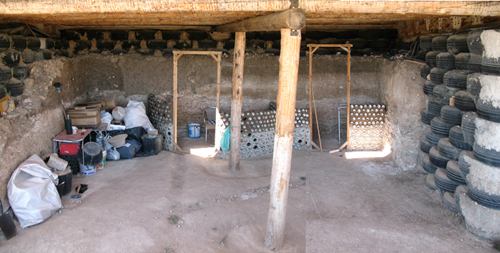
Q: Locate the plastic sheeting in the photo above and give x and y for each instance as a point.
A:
(135, 116)
(32, 192)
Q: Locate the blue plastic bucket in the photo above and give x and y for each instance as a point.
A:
(194, 130)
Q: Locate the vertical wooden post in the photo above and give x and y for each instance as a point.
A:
(236, 100)
(348, 90)
(310, 91)
(176, 57)
(283, 139)
(219, 60)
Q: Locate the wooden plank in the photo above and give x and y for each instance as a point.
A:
(137, 27)
(330, 45)
(483, 8)
(219, 58)
(314, 145)
(339, 149)
(294, 19)
(283, 140)
(348, 89)
(236, 100)
(176, 57)
(317, 123)
(197, 52)
(311, 52)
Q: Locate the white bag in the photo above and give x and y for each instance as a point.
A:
(32, 192)
(135, 116)
(106, 117)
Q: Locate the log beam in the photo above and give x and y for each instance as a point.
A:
(283, 138)
(236, 101)
(294, 19)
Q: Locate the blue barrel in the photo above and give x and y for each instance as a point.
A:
(194, 130)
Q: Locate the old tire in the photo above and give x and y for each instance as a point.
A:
(445, 60)
(451, 115)
(464, 163)
(453, 172)
(430, 182)
(439, 43)
(430, 58)
(487, 111)
(469, 127)
(487, 156)
(434, 106)
(437, 75)
(455, 79)
(447, 150)
(428, 166)
(426, 116)
(474, 42)
(450, 203)
(464, 101)
(457, 43)
(437, 159)
(442, 94)
(444, 183)
(457, 139)
(424, 71)
(431, 137)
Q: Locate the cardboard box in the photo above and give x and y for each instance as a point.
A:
(110, 104)
(4, 105)
(88, 122)
(106, 105)
(116, 127)
(83, 111)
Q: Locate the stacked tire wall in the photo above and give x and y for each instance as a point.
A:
(460, 147)
(17, 54)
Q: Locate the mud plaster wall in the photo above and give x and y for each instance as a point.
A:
(37, 118)
(401, 89)
(134, 76)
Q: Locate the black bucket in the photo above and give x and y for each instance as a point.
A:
(65, 180)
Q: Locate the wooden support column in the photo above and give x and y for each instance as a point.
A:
(348, 92)
(176, 57)
(236, 99)
(283, 139)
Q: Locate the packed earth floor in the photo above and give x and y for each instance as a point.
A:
(186, 203)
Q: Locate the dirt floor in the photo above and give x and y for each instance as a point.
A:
(187, 203)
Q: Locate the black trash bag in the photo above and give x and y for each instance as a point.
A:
(130, 149)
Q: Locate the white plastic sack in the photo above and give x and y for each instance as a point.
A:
(135, 116)
(106, 117)
(32, 192)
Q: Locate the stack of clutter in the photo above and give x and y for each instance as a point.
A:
(257, 138)
(460, 149)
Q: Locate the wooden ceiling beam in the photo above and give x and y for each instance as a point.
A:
(481, 8)
(136, 27)
(294, 19)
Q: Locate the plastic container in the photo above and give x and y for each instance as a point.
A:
(57, 163)
(151, 144)
(100, 140)
(69, 148)
(102, 165)
(194, 130)
(65, 180)
(87, 170)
